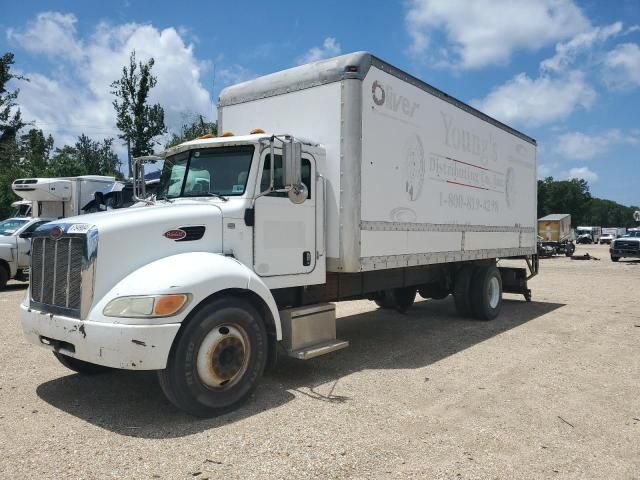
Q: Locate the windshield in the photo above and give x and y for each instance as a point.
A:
(9, 227)
(204, 172)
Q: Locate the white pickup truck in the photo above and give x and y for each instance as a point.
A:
(360, 182)
(15, 248)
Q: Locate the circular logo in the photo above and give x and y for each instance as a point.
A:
(414, 167)
(56, 233)
(378, 93)
(175, 234)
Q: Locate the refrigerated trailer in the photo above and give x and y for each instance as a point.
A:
(338, 180)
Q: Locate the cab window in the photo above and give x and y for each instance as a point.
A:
(278, 175)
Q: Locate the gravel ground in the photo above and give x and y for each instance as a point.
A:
(548, 390)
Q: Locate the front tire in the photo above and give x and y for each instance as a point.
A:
(217, 359)
(4, 277)
(486, 293)
(80, 366)
(614, 259)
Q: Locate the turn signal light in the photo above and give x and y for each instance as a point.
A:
(169, 304)
(227, 134)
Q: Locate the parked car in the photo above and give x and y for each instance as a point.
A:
(15, 247)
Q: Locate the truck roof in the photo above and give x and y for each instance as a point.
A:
(554, 217)
(228, 140)
(352, 65)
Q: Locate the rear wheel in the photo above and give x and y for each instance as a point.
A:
(486, 292)
(217, 359)
(462, 291)
(80, 366)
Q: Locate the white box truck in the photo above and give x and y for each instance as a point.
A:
(47, 199)
(342, 179)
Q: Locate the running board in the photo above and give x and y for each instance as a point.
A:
(310, 331)
(319, 349)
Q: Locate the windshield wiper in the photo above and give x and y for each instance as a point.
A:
(206, 194)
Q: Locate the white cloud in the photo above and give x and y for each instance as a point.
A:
(583, 173)
(51, 33)
(622, 67)
(485, 32)
(76, 97)
(330, 48)
(580, 146)
(533, 102)
(566, 52)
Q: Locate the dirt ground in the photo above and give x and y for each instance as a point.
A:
(550, 389)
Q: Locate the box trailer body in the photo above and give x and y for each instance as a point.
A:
(555, 227)
(60, 197)
(414, 175)
(588, 234)
(46, 199)
(338, 180)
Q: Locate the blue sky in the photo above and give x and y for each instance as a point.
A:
(565, 72)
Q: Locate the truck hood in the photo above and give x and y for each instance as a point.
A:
(128, 239)
(7, 240)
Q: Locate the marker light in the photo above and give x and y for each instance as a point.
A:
(206, 135)
(256, 130)
(227, 134)
(146, 306)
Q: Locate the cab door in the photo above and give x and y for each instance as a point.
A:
(284, 232)
(24, 244)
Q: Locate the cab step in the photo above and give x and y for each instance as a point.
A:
(310, 331)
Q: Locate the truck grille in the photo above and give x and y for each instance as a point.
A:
(627, 245)
(56, 271)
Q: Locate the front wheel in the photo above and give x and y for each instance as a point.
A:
(217, 359)
(4, 277)
(614, 259)
(80, 366)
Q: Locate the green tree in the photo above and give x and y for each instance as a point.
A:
(65, 163)
(139, 122)
(35, 151)
(192, 129)
(565, 196)
(98, 158)
(10, 124)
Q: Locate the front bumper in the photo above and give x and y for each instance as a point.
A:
(130, 347)
(624, 253)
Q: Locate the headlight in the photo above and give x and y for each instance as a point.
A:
(146, 306)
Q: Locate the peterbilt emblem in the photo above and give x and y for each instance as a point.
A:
(175, 234)
(55, 233)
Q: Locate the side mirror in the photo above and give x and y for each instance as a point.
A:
(26, 235)
(292, 159)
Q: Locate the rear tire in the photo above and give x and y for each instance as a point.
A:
(80, 366)
(4, 277)
(216, 361)
(462, 291)
(486, 293)
(404, 298)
